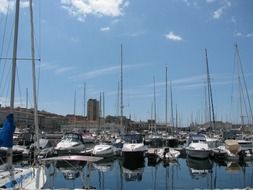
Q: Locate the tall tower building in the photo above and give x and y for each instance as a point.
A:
(93, 110)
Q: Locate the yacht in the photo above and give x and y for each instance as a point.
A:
(71, 143)
(103, 150)
(133, 147)
(198, 148)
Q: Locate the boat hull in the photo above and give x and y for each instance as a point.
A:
(201, 154)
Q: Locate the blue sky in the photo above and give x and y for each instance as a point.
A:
(78, 41)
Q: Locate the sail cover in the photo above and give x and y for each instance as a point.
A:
(6, 132)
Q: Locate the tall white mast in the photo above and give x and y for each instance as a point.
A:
(13, 78)
(210, 96)
(36, 123)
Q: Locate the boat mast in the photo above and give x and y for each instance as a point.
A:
(154, 106)
(34, 81)
(103, 109)
(240, 70)
(121, 87)
(84, 99)
(75, 108)
(210, 96)
(166, 99)
(13, 78)
(171, 106)
(99, 115)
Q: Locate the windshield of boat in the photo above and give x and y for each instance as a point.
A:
(133, 138)
(72, 137)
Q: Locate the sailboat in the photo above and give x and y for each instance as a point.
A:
(18, 178)
(198, 147)
(103, 149)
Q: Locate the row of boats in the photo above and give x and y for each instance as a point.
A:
(136, 145)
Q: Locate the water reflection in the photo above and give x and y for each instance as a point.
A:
(128, 174)
(133, 170)
(104, 165)
(233, 167)
(70, 169)
(199, 168)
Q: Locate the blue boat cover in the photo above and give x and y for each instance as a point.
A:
(6, 132)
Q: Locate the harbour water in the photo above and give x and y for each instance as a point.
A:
(114, 174)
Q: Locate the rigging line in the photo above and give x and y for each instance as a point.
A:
(6, 81)
(244, 81)
(39, 32)
(232, 90)
(8, 86)
(5, 26)
(19, 88)
(7, 50)
(20, 59)
(38, 83)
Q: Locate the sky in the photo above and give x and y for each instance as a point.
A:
(78, 42)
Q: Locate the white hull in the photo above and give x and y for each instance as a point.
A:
(198, 150)
(198, 153)
(24, 178)
(69, 148)
(103, 150)
(133, 151)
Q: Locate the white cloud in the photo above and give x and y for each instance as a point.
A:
(56, 69)
(240, 34)
(24, 4)
(220, 11)
(63, 70)
(249, 35)
(174, 37)
(233, 20)
(9, 5)
(82, 8)
(5, 5)
(100, 72)
(105, 29)
(210, 1)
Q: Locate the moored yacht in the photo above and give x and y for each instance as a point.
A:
(198, 148)
(133, 148)
(103, 150)
(71, 143)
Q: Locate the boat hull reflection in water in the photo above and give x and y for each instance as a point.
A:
(199, 168)
(134, 148)
(104, 165)
(133, 170)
